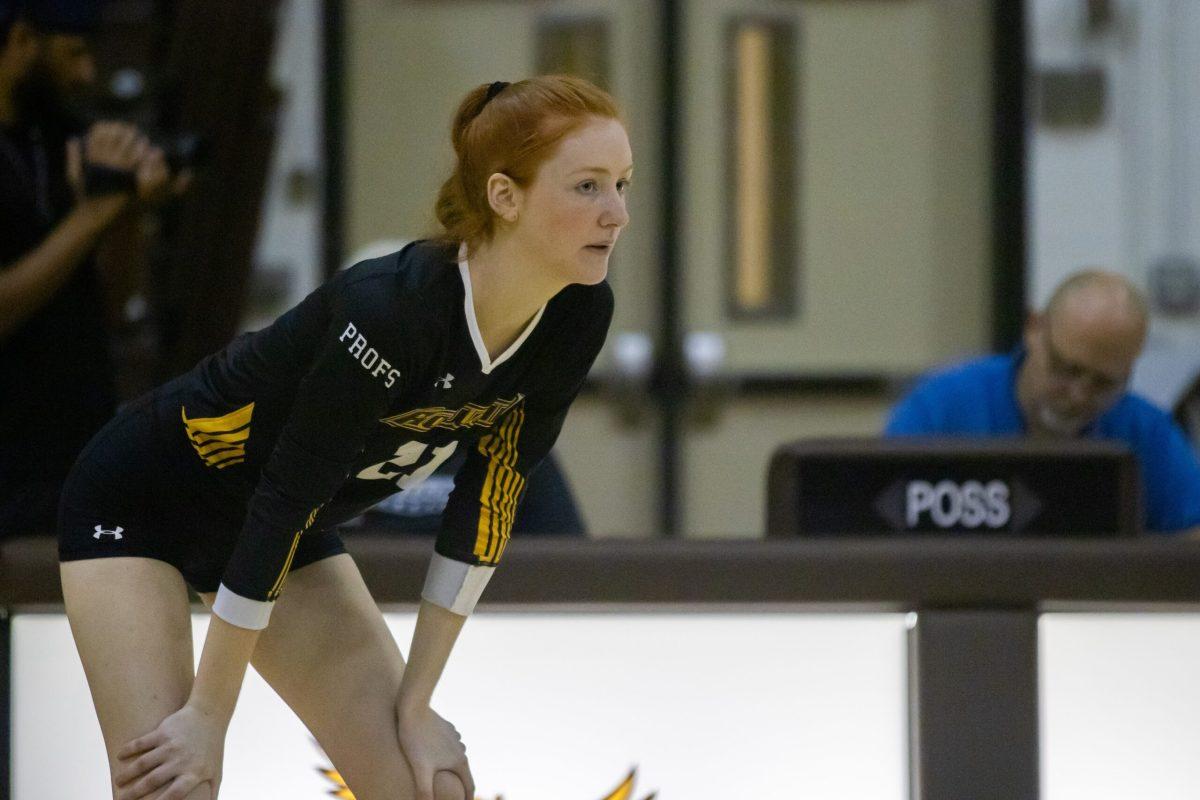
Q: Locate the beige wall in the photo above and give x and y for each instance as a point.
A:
(613, 470)
(408, 64)
(727, 464)
(894, 124)
(959, 294)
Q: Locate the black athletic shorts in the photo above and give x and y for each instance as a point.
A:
(138, 489)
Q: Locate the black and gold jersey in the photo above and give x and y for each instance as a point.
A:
(361, 391)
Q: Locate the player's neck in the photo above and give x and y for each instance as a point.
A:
(508, 291)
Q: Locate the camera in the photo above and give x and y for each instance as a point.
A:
(124, 99)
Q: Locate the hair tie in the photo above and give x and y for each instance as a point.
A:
(496, 88)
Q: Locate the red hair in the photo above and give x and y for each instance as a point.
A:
(514, 132)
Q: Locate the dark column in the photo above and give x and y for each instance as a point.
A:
(1009, 110)
(973, 705)
(219, 66)
(5, 706)
(333, 110)
(670, 380)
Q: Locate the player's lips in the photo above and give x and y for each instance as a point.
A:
(600, 248)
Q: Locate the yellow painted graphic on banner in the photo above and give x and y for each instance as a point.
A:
(623, 792)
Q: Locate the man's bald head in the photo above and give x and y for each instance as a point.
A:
(1080, 351)
(1105, 301)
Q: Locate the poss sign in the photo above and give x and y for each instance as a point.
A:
(949, 504)
(867, 487)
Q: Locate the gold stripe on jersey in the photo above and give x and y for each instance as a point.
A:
(220, 441)
(501, 489)
(277, 587)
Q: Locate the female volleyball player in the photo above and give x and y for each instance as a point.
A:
(231, 477)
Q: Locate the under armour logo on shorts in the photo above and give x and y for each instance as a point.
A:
(116, 534)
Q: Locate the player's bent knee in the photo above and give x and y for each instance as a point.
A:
(447, 786)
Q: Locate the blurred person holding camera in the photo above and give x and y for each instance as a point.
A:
(64, 187)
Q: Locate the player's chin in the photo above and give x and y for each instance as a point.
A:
(592, 267)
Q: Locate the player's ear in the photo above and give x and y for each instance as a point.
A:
(503, 196)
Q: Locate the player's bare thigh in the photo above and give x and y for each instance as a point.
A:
(329, 654)
(131, 620)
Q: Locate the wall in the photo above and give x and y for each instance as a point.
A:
(1123, 193)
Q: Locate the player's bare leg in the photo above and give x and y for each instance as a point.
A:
(330, 656)
(131, 620)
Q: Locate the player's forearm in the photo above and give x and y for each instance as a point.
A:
(227, 651)
(436, 632)
(28, 285)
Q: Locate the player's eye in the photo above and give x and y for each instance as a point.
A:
(588, 187)
(622, 186)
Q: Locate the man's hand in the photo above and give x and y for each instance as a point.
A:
(155, 184)
(116, 145)
(115, 150)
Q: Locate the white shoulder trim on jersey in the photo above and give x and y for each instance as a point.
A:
(241, 611)
(453, 585)
(486, 364)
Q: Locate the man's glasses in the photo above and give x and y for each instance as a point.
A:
(1067, 371)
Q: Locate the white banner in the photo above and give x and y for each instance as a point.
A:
(582, 706)
(1120, 706)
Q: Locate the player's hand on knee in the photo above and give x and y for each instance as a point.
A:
(433, 745)
(183, 752)
(448, 786)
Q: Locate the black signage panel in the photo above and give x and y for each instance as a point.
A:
(860, 487)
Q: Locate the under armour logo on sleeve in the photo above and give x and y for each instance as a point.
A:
(444, 383)
(116, 533)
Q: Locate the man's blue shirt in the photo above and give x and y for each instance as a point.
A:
(979, 398)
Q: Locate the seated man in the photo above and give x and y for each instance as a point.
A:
(1068, 379)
